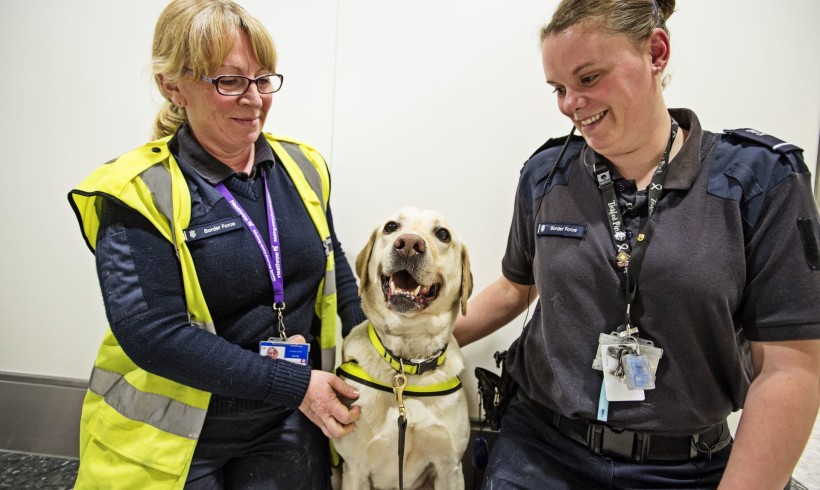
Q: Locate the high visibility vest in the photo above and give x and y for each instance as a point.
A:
(139, 430)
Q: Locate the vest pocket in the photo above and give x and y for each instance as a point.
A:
(134, 448)
(103, 468)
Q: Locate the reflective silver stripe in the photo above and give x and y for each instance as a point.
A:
(102, 380)
(155, 410)
(308, 170)
(330, 282)
(158, 179)
(328, 359)
(315, 181)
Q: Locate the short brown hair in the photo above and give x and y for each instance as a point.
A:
(633, 18)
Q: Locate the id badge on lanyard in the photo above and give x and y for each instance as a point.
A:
(629, 364)
(276, 348)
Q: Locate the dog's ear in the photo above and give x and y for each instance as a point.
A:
(466, 279)
(362, 260)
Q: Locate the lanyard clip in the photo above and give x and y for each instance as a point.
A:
(278, 308)
(604, 178)
(627, 331)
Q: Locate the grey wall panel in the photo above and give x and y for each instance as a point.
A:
(40, 415)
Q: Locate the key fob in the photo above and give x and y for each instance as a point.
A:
(481, 453)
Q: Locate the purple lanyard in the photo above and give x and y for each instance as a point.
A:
(275, 266)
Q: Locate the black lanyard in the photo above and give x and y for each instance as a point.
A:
(632, 259)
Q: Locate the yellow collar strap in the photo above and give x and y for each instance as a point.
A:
(352, 370)
(407, 366)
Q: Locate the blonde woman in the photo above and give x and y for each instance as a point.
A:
(209, 240)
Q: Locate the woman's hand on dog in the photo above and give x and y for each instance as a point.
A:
(323, 407)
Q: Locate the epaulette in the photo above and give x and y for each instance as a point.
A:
(767, 140)
(555, 142)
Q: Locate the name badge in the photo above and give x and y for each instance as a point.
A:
(195, 233)
(561, 229)
(286, 351)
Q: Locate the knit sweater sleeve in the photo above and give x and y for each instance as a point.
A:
(144, 300)
(349, 304)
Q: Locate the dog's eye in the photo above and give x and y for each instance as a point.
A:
(391, 226)
(443, 234)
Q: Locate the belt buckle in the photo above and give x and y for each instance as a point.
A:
(618, 443)
(602, 440)
(595, 435)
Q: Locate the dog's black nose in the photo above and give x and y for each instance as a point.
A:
(409, 245)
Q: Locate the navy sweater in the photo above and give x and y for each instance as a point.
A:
(150, 320)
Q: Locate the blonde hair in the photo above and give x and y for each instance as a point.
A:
(192, 38)
(634, 18)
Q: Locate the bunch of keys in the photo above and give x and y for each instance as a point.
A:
(633, 367)
(628, 361)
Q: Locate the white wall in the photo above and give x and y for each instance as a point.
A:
(434, 103)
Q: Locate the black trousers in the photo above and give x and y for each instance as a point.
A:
(271, 449)
(530, 454)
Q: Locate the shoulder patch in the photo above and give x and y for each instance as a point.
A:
(767, 140)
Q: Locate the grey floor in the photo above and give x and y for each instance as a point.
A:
(23, 471)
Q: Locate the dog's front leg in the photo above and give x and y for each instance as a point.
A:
(353, 478)
(449, 476)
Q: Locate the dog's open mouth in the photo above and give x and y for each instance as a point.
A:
(402, 293)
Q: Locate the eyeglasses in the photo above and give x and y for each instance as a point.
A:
(236, 85)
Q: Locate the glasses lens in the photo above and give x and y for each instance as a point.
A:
(268, 84)
(264, 85)
(232, 85)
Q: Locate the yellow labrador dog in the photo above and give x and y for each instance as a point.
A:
(414, 277)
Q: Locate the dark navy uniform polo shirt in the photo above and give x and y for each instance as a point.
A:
(715, 276)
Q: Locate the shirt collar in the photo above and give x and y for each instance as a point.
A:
(187, 149)
(684, 168)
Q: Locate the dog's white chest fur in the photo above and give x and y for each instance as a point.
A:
(436, 437)
(414, 274)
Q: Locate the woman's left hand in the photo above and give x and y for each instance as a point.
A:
(323, 407)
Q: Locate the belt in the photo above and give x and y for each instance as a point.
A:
(633, 446)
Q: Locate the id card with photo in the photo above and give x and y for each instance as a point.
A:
(616, 388)
(286, 351)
